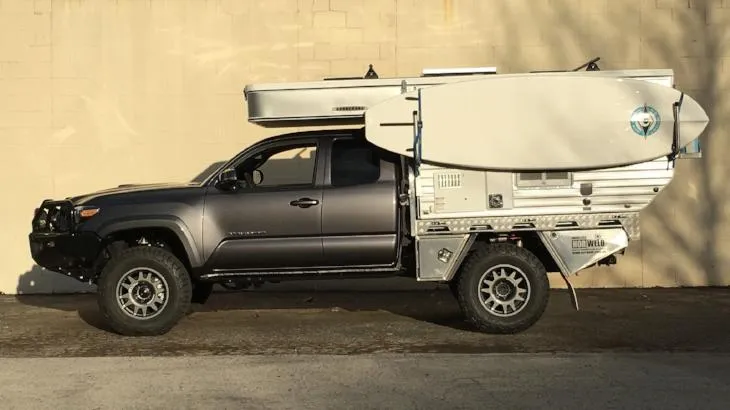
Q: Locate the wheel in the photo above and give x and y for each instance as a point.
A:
(503, 288)
(144, 291)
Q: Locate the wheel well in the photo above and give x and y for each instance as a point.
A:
(525, 239)
(154, 236)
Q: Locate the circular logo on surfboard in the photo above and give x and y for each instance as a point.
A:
(645, 120)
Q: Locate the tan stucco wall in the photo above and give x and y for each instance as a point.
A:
(95, 93)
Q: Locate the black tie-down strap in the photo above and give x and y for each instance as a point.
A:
(676, 107)
(417, 133)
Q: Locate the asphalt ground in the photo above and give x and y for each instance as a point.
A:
(370, 345)
(286, 319)
(379, 381)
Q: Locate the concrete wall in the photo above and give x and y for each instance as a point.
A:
(95, 93)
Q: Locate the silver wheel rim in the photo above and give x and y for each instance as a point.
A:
(504, 290)
(142, 293)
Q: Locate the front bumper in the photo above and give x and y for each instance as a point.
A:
(57, 245)
(73, 254)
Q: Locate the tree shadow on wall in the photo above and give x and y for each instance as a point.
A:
(682, 229)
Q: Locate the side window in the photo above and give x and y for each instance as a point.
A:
(543, 179)
(354, 162)
(290, 165)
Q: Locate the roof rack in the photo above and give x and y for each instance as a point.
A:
(433, 72)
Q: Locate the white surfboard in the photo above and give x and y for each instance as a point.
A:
(537, 122)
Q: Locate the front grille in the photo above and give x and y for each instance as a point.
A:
(53, 217)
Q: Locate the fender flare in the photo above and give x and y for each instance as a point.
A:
(174, 224)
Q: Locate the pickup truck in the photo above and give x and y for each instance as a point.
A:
(343, 211)
(329, 204)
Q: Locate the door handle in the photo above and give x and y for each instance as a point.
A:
(304, 202)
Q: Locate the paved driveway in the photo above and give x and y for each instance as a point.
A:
(274, 320)
(291, 347)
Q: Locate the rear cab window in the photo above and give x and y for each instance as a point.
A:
(353, 162)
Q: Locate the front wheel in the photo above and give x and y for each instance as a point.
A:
(144, 291)
(502, 288)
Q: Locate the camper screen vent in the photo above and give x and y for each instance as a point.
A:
(448, 180)
(541, 179)
(349, 108)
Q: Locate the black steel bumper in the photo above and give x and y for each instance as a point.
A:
(56, 245)
(73, 254)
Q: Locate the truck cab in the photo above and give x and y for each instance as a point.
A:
(323, 201)
(303, 204)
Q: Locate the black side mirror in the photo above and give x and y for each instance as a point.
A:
(258, 177)
(228, 180)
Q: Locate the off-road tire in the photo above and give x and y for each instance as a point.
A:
(487, 256)
(179, 292)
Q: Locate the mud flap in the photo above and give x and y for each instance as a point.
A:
(573, 296)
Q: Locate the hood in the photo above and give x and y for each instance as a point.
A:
(129, 188)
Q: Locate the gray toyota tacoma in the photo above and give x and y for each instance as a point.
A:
(315, 204)
(154, 249)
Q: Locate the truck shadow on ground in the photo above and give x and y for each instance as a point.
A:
(415, 320)
(434, 305)
(437, 307)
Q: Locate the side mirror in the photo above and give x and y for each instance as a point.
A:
(228, 180)
(258, 177)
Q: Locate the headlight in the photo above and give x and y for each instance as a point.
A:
(85, 212)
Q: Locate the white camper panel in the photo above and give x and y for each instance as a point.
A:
(448, 201)
(457, 193)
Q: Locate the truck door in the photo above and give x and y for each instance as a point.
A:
(360, 208)
(275, 222)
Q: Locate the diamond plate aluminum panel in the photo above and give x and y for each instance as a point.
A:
(628, 220)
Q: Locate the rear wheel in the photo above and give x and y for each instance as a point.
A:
(502, 288)
(144, 291)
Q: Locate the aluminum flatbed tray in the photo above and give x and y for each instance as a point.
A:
(344, 101)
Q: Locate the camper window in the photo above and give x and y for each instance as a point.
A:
(542, 179)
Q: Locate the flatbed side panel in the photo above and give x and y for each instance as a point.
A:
(574, 250)
(440, 257)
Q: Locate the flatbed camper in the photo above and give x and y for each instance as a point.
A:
(573, 218)
(397, 180)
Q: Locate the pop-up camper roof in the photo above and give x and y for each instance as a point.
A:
(343, 101)
(554, 120)
(338, 101)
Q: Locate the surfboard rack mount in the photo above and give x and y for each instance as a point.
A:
(590, 65)
(676, 107)
(417, 133)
